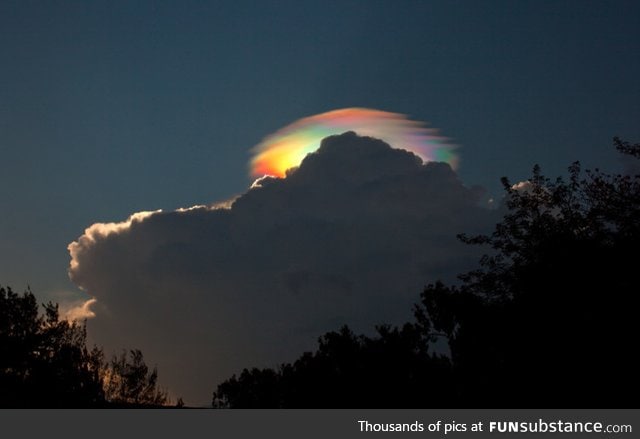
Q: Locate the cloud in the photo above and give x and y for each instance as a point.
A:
(79, 310)
(287, 147)
(351, 236)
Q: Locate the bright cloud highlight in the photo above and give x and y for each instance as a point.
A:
(350, 237)
(286, 148)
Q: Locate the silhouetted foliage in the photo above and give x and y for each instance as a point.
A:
(393, 369)
(549, 317)
(130, 381)
(44, 362)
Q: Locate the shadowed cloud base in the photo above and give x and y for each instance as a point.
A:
(351, 236)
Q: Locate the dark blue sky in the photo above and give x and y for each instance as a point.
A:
(108, 108)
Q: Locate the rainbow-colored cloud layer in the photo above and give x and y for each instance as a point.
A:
(286, 148)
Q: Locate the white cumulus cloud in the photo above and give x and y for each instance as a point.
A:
(349, 237)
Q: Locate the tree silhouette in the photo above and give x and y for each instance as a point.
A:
(392, 369)
(44, 362)
(550, 315)
(129, 382)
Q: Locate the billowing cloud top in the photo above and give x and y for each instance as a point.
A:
(349, 237)
(287, 147)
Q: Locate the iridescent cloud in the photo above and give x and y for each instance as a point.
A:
(286, 148)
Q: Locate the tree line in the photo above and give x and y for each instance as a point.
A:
(549, 317)
(45, 363)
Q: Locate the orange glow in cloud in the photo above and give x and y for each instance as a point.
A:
(287, 147)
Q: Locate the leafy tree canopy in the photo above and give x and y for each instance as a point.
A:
(549, 316)
(393, 368)
(44, 362)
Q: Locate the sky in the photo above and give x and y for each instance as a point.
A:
(113, 108)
